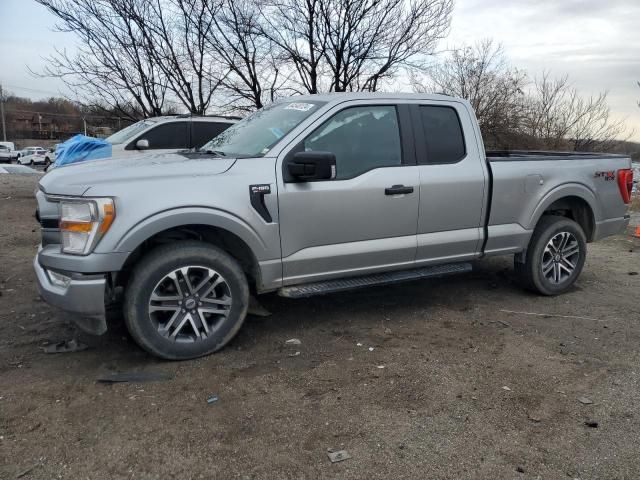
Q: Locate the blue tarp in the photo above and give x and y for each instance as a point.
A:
(80, 149)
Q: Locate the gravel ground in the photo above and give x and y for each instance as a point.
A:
(470, 388)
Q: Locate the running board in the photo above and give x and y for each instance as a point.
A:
(386, 278)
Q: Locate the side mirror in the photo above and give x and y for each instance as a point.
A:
(142, 144)
(308, 166)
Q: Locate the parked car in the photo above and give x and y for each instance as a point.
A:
(168, 134)
(6, 154)
(35, 156)
(308, 196)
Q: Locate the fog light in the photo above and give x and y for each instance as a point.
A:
(58, 279)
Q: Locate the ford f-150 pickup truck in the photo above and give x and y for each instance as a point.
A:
(312, 195)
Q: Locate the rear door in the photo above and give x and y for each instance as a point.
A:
(452, 183)
(354, 223)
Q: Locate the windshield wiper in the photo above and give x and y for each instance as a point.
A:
(219, 153)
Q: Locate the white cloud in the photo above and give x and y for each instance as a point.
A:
(595, 42)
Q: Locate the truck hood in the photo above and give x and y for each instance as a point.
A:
(76, 179)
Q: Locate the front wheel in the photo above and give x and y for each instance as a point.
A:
(31, 162)
(186, 300)
(555, 256)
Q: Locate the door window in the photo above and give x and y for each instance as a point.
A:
(173, 135)
(362, 138)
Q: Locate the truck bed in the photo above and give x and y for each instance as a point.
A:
(524, 183)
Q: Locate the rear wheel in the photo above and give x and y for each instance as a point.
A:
(31, 162)
(555, 256)
(186, 300)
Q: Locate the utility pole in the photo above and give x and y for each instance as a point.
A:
(4, 128)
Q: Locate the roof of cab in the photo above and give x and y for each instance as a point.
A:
(344, 96)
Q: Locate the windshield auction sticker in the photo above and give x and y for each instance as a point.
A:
(301, 107)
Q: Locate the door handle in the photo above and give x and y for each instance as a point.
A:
(397, 190)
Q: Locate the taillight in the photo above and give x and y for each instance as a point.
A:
(625, 184)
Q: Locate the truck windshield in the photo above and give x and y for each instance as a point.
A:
(131, 131)
(256, 134)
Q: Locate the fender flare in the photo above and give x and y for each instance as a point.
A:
(563, 191)
(178, 217)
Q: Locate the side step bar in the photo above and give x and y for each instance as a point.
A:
(386, 278)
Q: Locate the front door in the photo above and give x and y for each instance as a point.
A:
(364, 219)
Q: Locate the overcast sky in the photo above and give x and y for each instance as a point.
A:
(595, 42)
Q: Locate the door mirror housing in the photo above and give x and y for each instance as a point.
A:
(142, 144)
(309, 166)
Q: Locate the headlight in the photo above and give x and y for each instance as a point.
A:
(84, 222)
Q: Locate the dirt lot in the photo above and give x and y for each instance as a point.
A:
(468, 389)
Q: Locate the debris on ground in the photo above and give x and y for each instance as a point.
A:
(295, 354)
(549, 315)
(213, 399)
(358, 344)
(520, 470)
(371, 349)
(135, 377)
(534, 418)
(256, 308)
(66, 346)
(506, 388)
(336, 455)
(293, 341)
(633, 273)
(380, 366)
(387, 331)
(26, 471)
(591, 424)
(585, 400)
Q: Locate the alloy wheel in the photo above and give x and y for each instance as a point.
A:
(190, 303)
(560, 257)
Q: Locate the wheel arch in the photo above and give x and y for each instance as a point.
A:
(215, 227)
(572, 201)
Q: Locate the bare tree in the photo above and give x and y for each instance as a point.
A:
(369, 40)
(481, 75)
(558, 117)
(176, 34)
(346, 45)
(140, 57)
(255, 75)
(293, 28)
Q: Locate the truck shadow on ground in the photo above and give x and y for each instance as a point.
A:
(350, 313)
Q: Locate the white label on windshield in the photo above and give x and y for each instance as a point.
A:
(301, 107)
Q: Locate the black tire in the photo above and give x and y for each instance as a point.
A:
(31, 162)
(153, 268)
(530, 272)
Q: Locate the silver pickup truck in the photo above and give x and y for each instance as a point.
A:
(312, 195)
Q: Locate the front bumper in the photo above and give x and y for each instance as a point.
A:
(83, 297)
